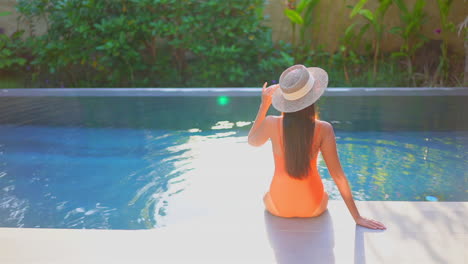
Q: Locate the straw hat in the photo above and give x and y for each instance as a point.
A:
(299, 87)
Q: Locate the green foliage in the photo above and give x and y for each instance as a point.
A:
(410, 31)
(357, 8)
(294, 16)
(375, 19)
(447, 26)
(151, 42)
(193, 43)
(463, 33)
(361, 74)
(5, 13)
(302, 16)
(350, 42)
(10, 58)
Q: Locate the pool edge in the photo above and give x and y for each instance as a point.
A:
(228, 91)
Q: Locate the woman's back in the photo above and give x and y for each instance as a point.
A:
(290, 196)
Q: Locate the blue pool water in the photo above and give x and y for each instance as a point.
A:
(81, 170)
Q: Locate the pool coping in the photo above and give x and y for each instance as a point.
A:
(418, 232)
(228, 91)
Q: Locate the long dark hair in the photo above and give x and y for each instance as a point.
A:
(298, 134)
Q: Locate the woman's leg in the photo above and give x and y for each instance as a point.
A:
(323, 205)
(269, 205)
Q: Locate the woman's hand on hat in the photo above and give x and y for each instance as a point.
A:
(369, 223)
(267, 93)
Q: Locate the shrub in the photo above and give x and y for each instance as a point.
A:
(104, 43)
(10, 59)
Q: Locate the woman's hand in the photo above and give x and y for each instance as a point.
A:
(260, 133)
(369, 223)
(267, 93)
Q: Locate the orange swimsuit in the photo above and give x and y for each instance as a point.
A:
(290, 197)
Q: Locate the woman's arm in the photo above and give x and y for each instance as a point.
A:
(330, 155)
(258, 134)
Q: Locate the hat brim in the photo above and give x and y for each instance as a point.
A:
(288, 106)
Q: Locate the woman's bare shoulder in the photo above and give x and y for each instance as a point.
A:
(324, 123)
(325, 127)
(271, 121)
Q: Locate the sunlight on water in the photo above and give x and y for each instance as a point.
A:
(133, 179)
(223, 170)
(140, 162)
(242, 124)
(16, 208)
(223, 125)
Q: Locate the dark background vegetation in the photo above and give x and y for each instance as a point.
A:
(210, 43)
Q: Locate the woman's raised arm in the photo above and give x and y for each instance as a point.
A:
(258, 134)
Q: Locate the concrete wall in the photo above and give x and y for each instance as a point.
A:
(331, 21)
(10, 23)
(332, 18)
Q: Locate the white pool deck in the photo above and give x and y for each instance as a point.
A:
(418, 232)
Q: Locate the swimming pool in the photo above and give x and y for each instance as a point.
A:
(125, 162)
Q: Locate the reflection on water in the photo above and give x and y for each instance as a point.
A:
(88, 178)
(12, 208)
(129, 162)
(112, 178)
(104, 178)
(404, 166)
(348, 113)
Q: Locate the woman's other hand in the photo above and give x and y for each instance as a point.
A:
(267, 93)
(369, 223)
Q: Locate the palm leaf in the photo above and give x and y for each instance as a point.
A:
(357, 8)
(398, 54)
(302, 4)
(6, 13)
(294, 16)
(401, 5)
(367, 14)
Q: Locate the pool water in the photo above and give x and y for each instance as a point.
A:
(121, 163)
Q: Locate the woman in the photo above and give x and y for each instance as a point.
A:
(297, 136)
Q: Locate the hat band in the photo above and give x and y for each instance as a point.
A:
(301, 92)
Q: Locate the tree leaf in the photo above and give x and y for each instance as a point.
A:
(21, 61)
(396, 30)
(398, 54)
(357, 8)
(401, 5)
(382, 9)
(367, 14)
(302, 4)
(17, 34)
(287, 58)
(419, 5)
(293, 16)
(349, 30)
(5, 13)
(363, 30)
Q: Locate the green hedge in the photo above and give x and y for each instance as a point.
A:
(156, 43)
(211, 43)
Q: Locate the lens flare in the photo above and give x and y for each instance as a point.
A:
(223, 100)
